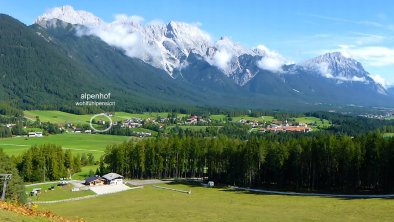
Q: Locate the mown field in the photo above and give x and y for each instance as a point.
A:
(78, 143)
(84, 172)
(260, 119)
(63, 117)
(314, 122)
(216, 204)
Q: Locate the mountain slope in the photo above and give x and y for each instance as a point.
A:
(126, 72)
(34, 72)
(40, 70)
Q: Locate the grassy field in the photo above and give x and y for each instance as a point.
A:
(84, 172)
(322, 124)
(59, 193)
(387, 135)
(260, 119)
(191, 127)
(219, 117)
(214, 204)
(9, 216)
(63, 117)
(145, 115)
(78, 143)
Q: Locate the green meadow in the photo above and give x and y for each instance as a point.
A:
(84, 172)
(322, 124)
(259, 119)
(388, 135)
(63, 117)
(78, 143)
(59, 192)
(221, 204)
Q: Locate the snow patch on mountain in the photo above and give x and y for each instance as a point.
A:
(69, 15)
(336, 66)
(379, 79)
(225, 55)
(343, 69)
(167, 46)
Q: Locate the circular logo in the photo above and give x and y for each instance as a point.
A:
(97, 130)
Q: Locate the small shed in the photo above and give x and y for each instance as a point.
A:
(35, 192)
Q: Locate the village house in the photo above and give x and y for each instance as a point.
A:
(113, 178)
(94, 180)
(132, 123)
(141, 134)
(77, 130)
(192, 120)
(10, 125)
(88, 131)
(34, 134)
(280, 128)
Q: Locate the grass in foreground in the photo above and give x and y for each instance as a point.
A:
(78, 143)
(214, 204)
(15, 213)
(15, 217)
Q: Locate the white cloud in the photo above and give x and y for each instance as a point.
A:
(376, 56)
(379, 79)
(226, 52)
(271, 60)
(222, 59)
(123, 33)
(325, 71)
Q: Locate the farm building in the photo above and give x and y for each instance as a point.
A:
(113, 178)
(34, 134)
(94, 180)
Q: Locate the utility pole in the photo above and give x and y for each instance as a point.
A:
(6, 178)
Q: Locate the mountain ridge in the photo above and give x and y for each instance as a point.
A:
(136, 83)
(167, 45)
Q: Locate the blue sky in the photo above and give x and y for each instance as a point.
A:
(298, 30)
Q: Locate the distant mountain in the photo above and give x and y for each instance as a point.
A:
(338, 67)
(165, 46)
(390, 90)
(67, 52)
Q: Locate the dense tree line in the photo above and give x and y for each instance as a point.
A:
(47, 162)
(321, 162)
(351, 125)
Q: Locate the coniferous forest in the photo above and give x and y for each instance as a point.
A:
(323, 162)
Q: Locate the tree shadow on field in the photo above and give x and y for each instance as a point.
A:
(271, 192)
(319, 195)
